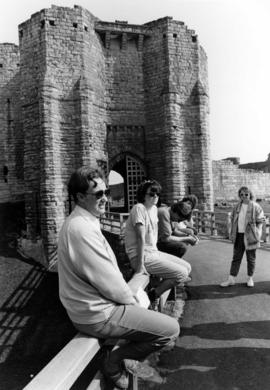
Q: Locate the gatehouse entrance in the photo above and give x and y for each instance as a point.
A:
(123, 192)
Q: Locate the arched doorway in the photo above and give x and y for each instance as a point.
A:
(117, 198)
(133, 173)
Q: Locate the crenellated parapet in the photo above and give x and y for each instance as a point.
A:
(123, 32)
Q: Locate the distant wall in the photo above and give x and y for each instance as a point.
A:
(228, 178)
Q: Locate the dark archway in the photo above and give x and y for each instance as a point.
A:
(132, 169)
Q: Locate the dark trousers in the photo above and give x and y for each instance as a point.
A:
(238, 252)
(175, 248)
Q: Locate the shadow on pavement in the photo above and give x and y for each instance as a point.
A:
(235, 331)
(216, 292)
(33, 327)
(216, 369)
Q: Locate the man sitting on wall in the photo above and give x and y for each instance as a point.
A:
(171, 239)
(92, 289)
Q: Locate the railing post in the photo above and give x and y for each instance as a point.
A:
(199, 221)
(112, 220)
(196, 219)
(203, 216)
(228, 224)
(265, 233)
(121, 219)
(267, 229)
(213, 224)
(133, 382)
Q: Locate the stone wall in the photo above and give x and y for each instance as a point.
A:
(11, 134)
(63, 99)
(259, 165)
(89, 91)
(228, 178)
(176, 99)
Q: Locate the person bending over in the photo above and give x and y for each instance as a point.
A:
(186, 228)
(170, 239)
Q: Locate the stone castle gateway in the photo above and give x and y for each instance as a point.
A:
(80, 91)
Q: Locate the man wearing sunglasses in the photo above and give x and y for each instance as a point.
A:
(92, 289)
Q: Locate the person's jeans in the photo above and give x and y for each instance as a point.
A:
(167, 266)
(176, 248)
(146, 330)
(238, 252)
(164, 265)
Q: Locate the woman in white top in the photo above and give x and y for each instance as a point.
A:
(141, 242)
(246, 229)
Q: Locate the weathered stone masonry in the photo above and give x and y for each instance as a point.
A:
(228, 178)
(89, 92)
(11, 135)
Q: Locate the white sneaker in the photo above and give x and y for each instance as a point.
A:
(229, 282)
(250, 282)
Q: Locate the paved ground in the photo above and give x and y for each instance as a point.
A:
(225, 337)
(33, 325)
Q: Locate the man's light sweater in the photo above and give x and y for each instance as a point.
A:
(90, 282)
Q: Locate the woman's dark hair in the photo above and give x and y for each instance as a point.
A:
(143, 187)
(80, 179)
(192, 199)
(246, 189)
(182, 209)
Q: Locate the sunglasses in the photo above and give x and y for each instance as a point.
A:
(100, 194)
(244, 194)
(153, 193)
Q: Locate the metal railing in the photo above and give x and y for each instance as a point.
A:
(205, 221)
(114, 222)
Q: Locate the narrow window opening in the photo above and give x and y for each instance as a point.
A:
(5, 173)
(194, 38)
(42, 23)
(164, 35)
(51, 22)
(21, 33)
(75, 25)
(85, 28)
(175, 35)
(1, 65)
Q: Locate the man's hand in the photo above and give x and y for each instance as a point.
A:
(191, 240)
(189, 232)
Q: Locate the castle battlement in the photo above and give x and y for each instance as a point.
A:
(124, 97)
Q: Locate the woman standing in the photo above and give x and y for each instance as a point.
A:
(246, 229)
(141, 242)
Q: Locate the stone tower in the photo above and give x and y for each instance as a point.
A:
(132, 98)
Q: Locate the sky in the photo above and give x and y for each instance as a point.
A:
(235, 37)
